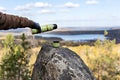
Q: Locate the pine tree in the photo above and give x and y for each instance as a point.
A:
(14, 64)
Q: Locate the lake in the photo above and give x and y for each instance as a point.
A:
(79, 37)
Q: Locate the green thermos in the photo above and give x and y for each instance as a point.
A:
(44, 28)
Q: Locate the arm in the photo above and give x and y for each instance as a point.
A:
(10, 21)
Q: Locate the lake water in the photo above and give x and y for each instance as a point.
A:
(80, 37)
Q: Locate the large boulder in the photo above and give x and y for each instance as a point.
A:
(60, 64)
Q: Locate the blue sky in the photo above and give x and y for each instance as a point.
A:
(66, 13)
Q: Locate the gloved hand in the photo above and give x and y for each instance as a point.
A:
(43, 28)
(37, 26)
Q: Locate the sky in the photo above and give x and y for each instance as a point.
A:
(66, 13)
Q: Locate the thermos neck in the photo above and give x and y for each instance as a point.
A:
(48, 27)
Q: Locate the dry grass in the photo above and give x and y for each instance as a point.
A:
(34, 54)
(90, 54)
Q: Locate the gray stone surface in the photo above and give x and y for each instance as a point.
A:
(60, 64)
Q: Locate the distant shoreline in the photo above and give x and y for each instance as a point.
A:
(75, 32)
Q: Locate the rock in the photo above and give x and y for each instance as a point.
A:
(60, 64)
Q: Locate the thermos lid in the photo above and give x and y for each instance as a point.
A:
(56, 44)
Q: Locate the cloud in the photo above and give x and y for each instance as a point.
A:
(92, 2)
(46, 11)
(24, 7)
(71, 5)
(2, 9)
(33, 5)
(42, 5)
(30, 6)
